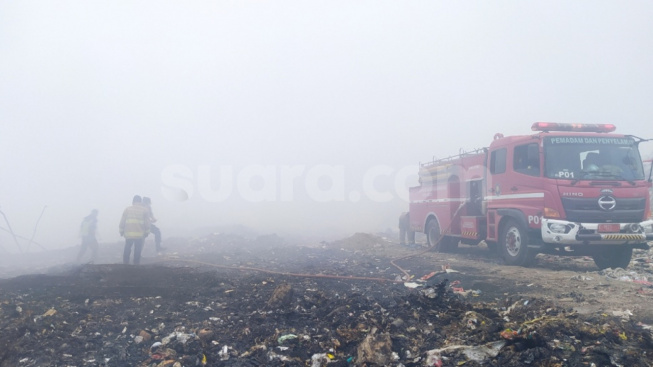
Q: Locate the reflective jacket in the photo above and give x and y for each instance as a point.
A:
(135, 222)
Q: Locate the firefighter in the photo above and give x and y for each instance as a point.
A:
(87, 232)
(147, 203)
(404, 230)
(134, 226)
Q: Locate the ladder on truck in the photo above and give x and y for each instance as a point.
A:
(463, 154)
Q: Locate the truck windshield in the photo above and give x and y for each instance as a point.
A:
(591, 158)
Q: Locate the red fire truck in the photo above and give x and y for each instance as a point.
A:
(568, 189)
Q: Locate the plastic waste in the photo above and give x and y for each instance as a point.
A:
(480, 352)
(509, 334)
(283, 338)
(476, 353)
(319, 360)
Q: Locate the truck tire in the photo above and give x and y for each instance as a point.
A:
(613, 257)
(433, 235)
(513, 244)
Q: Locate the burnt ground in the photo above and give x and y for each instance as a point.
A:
(228, 300)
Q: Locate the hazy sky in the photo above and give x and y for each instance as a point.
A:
(294, 104)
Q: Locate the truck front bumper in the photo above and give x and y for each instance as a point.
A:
(569, 233)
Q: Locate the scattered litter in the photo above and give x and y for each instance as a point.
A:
(625, 276)
(625, 314)
(477, 353)
(200, 315)
(429, 275)
(181, 337)
(582, 278)
(481, 352)
(283, 338)
(155, 346)
(224, 353)
(319, 360)
(509, 334)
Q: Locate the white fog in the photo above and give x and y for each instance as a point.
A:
(304, 118)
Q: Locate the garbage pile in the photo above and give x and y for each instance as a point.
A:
(311, 306)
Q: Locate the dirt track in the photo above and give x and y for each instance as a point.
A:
(231, 301)
(573, 282)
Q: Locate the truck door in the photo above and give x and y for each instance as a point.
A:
(526, 187)
(515, 185)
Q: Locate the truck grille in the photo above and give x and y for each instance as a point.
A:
(588, 210)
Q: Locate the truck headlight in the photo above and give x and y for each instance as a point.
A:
(635, 228)
(559, 228)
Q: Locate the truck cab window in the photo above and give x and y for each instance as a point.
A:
(498, 161)
(526, 159)
(592, 159)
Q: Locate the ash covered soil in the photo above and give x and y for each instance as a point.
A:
(230, 300)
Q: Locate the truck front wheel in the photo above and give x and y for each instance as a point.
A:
(433, 235)
(613, 257)
(513, 244)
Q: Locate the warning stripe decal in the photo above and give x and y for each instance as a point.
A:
(622, 236)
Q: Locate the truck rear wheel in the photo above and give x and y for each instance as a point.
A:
(613, 257)
(513, 244)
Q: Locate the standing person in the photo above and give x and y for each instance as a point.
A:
(87, 231)
(405, 231)
(147, 203)
(134, 226)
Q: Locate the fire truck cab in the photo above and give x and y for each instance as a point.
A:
(568, 189)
